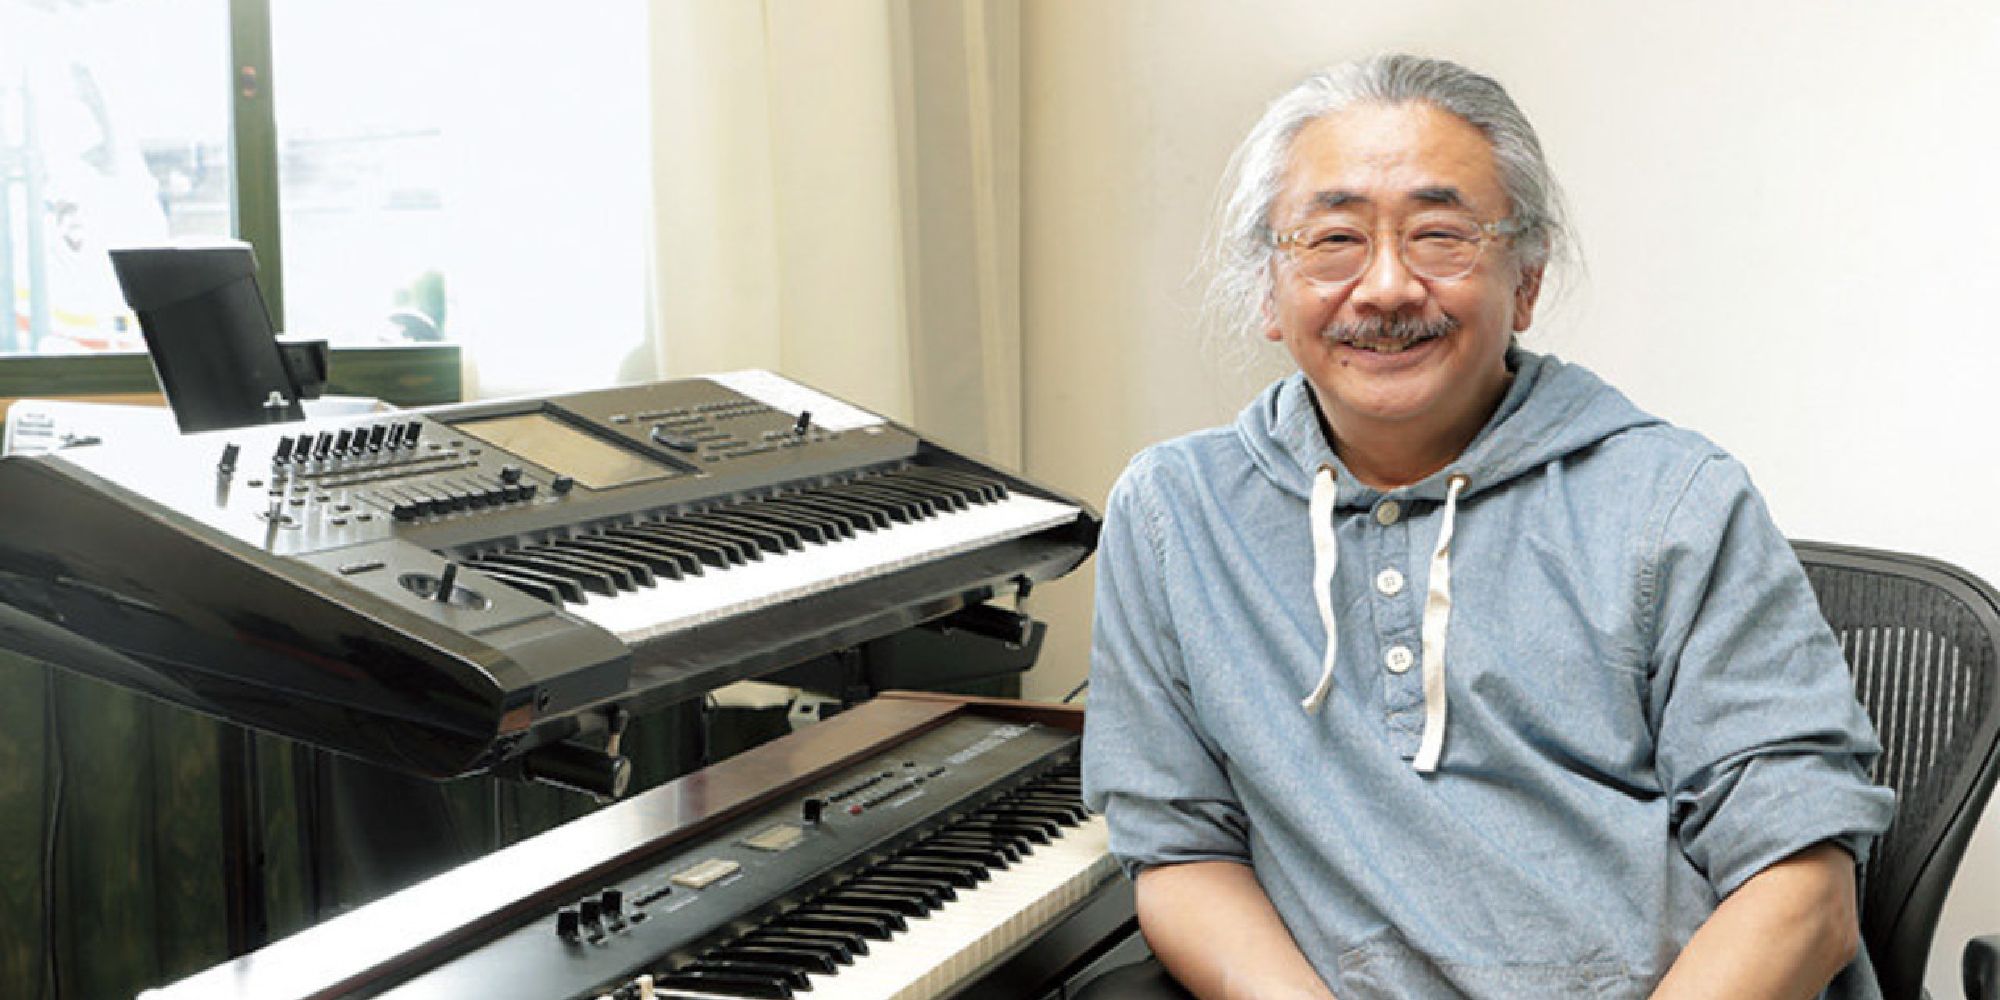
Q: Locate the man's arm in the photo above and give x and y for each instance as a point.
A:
(1785, 932)
(1213, 927)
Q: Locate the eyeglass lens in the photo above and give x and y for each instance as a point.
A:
(1438, 248)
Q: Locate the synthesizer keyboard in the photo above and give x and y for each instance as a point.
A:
(442, 590)
(902, 851)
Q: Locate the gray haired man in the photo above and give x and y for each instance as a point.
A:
(1445, 670)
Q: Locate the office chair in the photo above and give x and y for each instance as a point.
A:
(1923, 641)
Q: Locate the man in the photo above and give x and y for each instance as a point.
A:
(1446, 671)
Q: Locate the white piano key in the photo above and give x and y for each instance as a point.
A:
(940, 951)
(672, 605)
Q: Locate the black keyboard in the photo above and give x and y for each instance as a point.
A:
(445, 589)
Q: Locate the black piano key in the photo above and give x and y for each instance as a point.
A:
(960, 876)
(937, 891)
(803, 920)
(910, 902)
(852, 519)
(834, 524)
(816, 529)
(987, 489)
(888, 920)
(935, 501)
(596, 576)
(736, 548)
(808, 530)
(566, 586)
(907, 905)
(1065, 803)
(945, 494)
(707, 552)
(1069, 815)
(790, 975)
(1008, 851)
(974, 870)
(725, 983)
(861, 516)
(627, 574)
(1029, 828)
(929, 851)
(670, 563)
(834, 946)
(768, 539)
(848, 938)
(694, 559)
(809, 959)
(925, 502)
(592, 580)
(898, 509)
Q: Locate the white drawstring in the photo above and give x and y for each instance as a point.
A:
(1326, 555)
(1437, 619)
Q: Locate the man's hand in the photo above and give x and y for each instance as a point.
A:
(1784, 933)
(1212, 926)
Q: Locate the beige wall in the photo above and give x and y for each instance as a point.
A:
(1787, 211)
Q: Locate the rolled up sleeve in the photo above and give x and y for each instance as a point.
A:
(1760, 741)
(1148, 766)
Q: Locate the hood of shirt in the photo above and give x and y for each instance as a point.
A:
(1551, 409)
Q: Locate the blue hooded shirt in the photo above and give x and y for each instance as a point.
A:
(1510, 731)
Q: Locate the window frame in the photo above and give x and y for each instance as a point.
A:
(403, 375)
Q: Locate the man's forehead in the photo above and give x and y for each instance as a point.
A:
(1390, 156)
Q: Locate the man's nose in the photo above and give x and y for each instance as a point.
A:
(1387, 284)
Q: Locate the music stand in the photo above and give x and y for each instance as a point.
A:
(217, 358)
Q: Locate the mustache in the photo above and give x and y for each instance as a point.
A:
(1391, 329)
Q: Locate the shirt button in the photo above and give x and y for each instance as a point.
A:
(1389, 582)
(1398, 659)
(1388, 512)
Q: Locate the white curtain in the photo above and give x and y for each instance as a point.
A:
(837, 198)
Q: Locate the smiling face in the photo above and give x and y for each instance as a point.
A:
(1401, 364)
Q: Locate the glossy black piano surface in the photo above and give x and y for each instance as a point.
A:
(914, 847)
(441, 590)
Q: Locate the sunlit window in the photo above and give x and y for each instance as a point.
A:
(114, 129)
(468, 171)
(447, 170)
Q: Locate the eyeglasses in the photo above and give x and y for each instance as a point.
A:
(1438, 247)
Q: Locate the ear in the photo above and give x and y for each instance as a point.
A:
(1268, 309)
(1525, 293)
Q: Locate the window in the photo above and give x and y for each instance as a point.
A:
(114, 129)
(446, 171)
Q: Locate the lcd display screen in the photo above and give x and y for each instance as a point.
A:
(567, 451)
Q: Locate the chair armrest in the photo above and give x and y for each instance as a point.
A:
(1982, 968)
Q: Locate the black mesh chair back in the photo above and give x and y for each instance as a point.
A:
(1923, 640)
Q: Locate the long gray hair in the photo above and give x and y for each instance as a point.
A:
(1239, 250)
